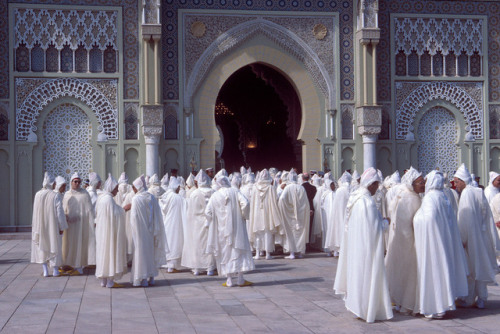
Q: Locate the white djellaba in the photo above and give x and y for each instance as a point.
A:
(336, 229)
(327, 211)
(361, 275)
(401, 246)
(155, 186)
(48, 222)
(442, 267)
(195, 232)
(227, 234)
(265, 218)
(317, 224)
(148, 234)
(94, 188)
(490, 191)
(295, 211)
(79, 238)
(111, 240)
(124, 199)
(190, 186)
(173, 207)
(479, 238)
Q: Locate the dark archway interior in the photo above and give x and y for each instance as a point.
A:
(259, 115)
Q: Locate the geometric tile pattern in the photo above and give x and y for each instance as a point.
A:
(67, 132)
(490, 9)
(130, 38)
(437, 137)
(170, 28)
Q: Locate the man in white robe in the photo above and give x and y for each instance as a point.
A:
(475, 222)
(390, 186)
(227, 235)
(265, 218)
(94, 188)
(79, 238)
(124, 199)
(190, 186)
(295, 212)
(48, 224)
(173, 207)
(441, 264)
(327, 212)
(493, 187)
(155, 186)
(148, 234)
(111, 240)
(361, 275)
(401, 247)
(337, 223)
(194, 254)
(316, 235)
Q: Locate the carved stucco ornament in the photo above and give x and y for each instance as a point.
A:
(319, 31)
(198, 29)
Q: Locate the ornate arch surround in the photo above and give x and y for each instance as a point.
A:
(434, 91)
(236, 36)
(311, 101)
(28, 112)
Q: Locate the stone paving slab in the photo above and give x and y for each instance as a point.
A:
(289, 296)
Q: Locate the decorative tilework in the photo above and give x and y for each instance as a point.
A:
(130, 39)
(490, 9)
(32, 95)
(131, 120)
(4, 121)
(494, 121)
(411, 96)
(170, 33)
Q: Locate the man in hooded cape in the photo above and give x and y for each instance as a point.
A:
(479, 238)
(361, 275)
(295, 211)
(111, 240)
(335, 233)
(48, 223)
(265, 217)
(227, 235)
(493, 187)
(79, 239)
(148, 234)
(195, 231)
(441, 264)
(173, 207)
(401, 247)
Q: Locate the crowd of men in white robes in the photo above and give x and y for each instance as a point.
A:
(413, 242)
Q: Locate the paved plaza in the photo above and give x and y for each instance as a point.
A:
(288, 297)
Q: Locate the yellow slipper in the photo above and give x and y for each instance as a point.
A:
(74, 273)
(247, 283)
(117, 285)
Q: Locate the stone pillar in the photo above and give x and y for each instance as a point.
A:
(152, 127)
(369, 121)
(369, 153)
(152, 107)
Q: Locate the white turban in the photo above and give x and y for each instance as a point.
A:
(493, 176)
(222, 172)
(48, 180)
(223, 182)
(463, 174)
(110, 184)
(154, 180)
(394, 179)
(316, 180)
(174, 183)
(284, 176)
(369, 176)
(123, 178)
(264, 176)
(355, 175)
(243, 170)
(190, 180)
(292, 177)
(94, 179)
(236, 182)
(75, 176)
(140, 183)
(202, 179)
(411, 175)
(59, 182)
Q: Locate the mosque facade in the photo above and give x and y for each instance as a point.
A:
(112, 86)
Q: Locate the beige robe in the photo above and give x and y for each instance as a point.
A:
(79, 239)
